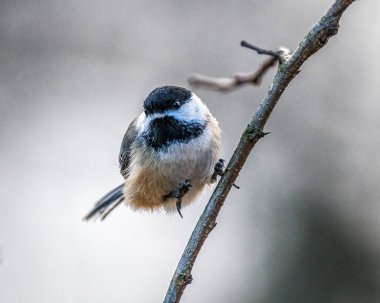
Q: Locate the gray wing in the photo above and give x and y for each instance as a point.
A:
(125, 149)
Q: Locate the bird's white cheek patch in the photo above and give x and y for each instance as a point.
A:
(194, 110)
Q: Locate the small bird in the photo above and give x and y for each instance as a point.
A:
(169, 153)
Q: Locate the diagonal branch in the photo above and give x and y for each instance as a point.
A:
(315, 39)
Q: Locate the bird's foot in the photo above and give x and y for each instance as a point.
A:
(182, 189)
(219, 171)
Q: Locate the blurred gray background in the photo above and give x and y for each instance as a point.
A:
(304, 227)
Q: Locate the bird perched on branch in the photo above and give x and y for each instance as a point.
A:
(168, 155)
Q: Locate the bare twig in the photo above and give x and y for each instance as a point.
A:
(261, 51)
(228, 84)
(253, 78)
(315, 39)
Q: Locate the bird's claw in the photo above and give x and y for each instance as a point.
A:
(182, 189)
(219, 171)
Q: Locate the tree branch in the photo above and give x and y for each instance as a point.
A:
(315, 39)
(253, 78)
(228, 84)
(259, 50)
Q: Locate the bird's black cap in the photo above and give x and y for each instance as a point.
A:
(165, 98)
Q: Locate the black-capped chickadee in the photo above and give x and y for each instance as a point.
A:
(168, 154)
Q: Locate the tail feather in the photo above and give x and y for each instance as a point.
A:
(107, 203)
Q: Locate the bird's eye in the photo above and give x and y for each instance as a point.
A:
(176, 104)
(146, 112)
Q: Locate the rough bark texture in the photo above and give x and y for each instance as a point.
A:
(288, 68)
